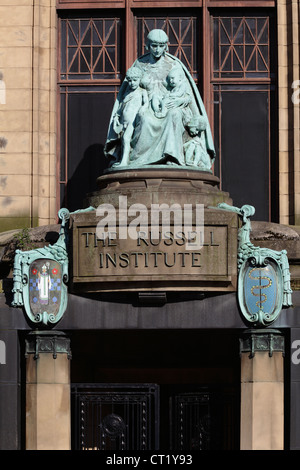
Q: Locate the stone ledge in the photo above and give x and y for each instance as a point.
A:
(38, 237)
(277, 236)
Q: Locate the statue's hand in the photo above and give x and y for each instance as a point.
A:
(156, 104)
(173, 103)
(117, 126)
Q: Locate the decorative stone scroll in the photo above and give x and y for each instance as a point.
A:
(40, 277)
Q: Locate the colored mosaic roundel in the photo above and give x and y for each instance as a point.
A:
(45, 283)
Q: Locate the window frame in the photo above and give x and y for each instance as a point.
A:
(129, 9)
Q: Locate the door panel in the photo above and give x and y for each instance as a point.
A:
(150, 417)
(190, 421)
(115, 416)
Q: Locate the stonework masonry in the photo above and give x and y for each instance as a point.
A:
(28, 47)
(27, 113)
(289, 110)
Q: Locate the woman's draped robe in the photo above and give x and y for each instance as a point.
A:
(158, 140)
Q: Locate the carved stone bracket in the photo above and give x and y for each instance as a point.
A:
(50, 342)
(262, 340)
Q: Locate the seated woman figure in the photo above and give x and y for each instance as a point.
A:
(160, 130)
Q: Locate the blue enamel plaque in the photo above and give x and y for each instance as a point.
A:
(260, 291)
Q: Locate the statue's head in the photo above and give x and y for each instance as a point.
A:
(157, 42)
(134, 72)
(175, 76)
(196, 125)
(134, 76)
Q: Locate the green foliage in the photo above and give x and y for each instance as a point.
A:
(23, 241)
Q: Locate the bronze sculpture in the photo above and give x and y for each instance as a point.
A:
(167, 123)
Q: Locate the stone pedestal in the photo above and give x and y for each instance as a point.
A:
(48, 421)
(262, 390)
(161, 229)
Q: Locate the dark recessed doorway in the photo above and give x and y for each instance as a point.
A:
(155, 389)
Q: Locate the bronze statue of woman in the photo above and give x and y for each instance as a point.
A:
(160, 129)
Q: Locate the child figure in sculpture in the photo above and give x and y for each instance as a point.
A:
(176, 96)
(134, 102)
(195, 148)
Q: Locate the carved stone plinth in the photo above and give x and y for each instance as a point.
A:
(164, 184)
(159, 256)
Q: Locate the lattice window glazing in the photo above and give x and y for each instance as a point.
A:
(182, 33)
(90, 48)
(241, 47)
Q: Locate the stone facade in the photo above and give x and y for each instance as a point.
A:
(28, 198)
(288, 110)
(27, 113)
